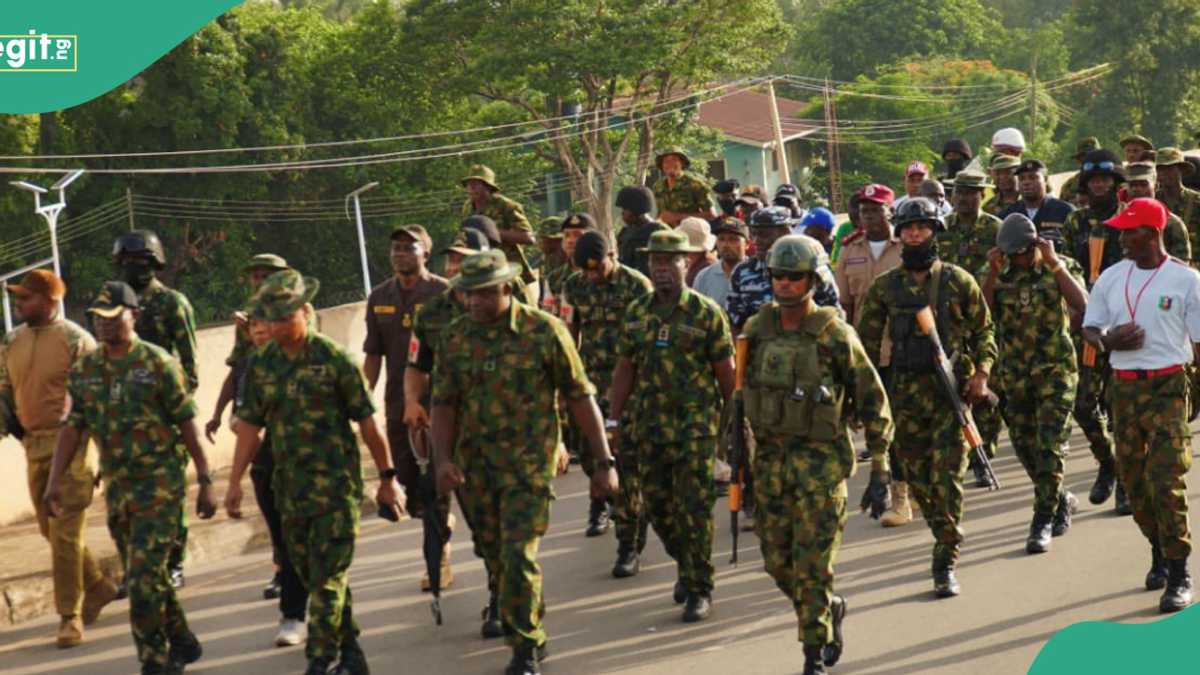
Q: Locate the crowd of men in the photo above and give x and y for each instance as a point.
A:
(722, 341)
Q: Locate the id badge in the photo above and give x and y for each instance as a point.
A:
(664, 337)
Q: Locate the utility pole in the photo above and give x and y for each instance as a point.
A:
(831, 144)
(129, 206)
(780, 153)
(1033, 106)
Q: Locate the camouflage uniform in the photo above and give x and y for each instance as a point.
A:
(631, 238)
(995, 204)
(1069, 188)
(750, 288)
(688, 195)
(929, 441)
(509, 215)
(1036, 370)
(800, 473)
(305, 404)
(131, 407)
(674, 411)
(1187, 207)
(597, 314)
(505, 380)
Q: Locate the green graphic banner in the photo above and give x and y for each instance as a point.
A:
(56, 55)
(1099, 647)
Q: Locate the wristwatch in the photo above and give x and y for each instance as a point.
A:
(205, 478)
(388, 474)
(606, 463)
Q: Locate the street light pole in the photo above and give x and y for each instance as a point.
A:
(362, 240)
(51, 212)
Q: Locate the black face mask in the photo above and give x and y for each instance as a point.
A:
(953, 166)
(1104, 204)
(728, 206)
(919, 258)
(137, 275)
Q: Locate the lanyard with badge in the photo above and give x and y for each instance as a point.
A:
(1132, 308)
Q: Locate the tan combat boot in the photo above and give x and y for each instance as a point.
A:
(100, 594)
(70, 632)
(901, 511)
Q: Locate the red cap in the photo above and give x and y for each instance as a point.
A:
(1142, 211)
(916, 167)
(880, 194)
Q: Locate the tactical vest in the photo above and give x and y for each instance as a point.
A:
(790, 390)
(912, 350)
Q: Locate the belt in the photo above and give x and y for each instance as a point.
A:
(1145, 374)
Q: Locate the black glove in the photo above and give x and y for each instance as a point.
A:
(876, 498)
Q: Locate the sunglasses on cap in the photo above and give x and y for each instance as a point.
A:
(1103, 166)
(788, 276)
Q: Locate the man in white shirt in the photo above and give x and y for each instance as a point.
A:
(1145, 310)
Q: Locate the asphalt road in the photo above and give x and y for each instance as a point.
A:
(1011, 603)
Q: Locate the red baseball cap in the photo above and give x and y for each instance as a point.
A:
(1142, 211)
(880, 194)
(916, 167)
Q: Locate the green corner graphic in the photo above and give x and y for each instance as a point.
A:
(60, 54)
(1099, 647)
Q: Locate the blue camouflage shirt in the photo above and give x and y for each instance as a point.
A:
(750, 288)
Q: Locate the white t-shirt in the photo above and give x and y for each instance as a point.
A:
(877, 247)
(1165, 303)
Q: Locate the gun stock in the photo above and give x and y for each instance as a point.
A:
(1095, 259)
(737, 449)
(945, 373)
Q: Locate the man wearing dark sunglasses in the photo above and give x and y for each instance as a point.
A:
(1101, 175)
(929, 440)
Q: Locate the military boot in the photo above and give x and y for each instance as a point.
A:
(1106, 480)
(1179, 587)
(177, 579)
(945, 585)
(698, 607)
(901, 511)
(832, 652)
(1067, 505)
(679, 593)
(1156, 578)
(628, 563)
(317, 667)
(185, 648)
(598, 518)
(981, 478)
(1121, 502)
(524, 662)
(491, 620)
(353, 661)
(1040, 532)
(814, 661)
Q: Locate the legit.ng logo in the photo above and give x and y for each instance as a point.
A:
(35, 52)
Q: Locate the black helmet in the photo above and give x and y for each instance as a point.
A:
(957, 145)
(917, 209)
(636, 198)
(1098, 163)
(771, 216)
(142, 243)
(485, 226)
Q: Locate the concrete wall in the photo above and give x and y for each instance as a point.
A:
(343, 323)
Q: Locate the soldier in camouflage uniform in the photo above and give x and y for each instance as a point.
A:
(636, 204)
(807, 375)
(551, 263)
(1137, 148)
(1145, 311)
(678, 194)
(1070, 187)
(675, 372)
(929, 441)
(132, 398)
(166, 320)
(1101, 175)
(1181, 201)
(484, 199)
(305, 389)
(501, 371)
(1140, 181)
(1003, 170)
(1030, 290)
(598, 295)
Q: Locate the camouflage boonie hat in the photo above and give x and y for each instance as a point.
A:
(548, 228)
(1138, 139)
(281, 294)
(1002, 161)
(265, 261)
(1084, 146)
(114, 297)
(1141, 171)
(483, 174)
(968, 178)
(673, 150)
(484, 269)
(669, 241)
(1172, 157)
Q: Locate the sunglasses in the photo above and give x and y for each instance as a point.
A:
(1103, 166)
(789, 276)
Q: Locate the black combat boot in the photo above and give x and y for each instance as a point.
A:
(185, 648)
(628, 563)
(598, 518)
(1179, 587)
(1106, 480)
(491, 620)
(814, 660)
(1067, 505)
(945, 585)
(353, 661)
(524, 662)
(1121, 503)
(679, 593)
(273, 589)
(1040, 532)
(317, 667)
(832, 652)
(1156, 578)
(981, 478)
(697, 607)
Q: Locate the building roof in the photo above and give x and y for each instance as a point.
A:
(745, 116)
